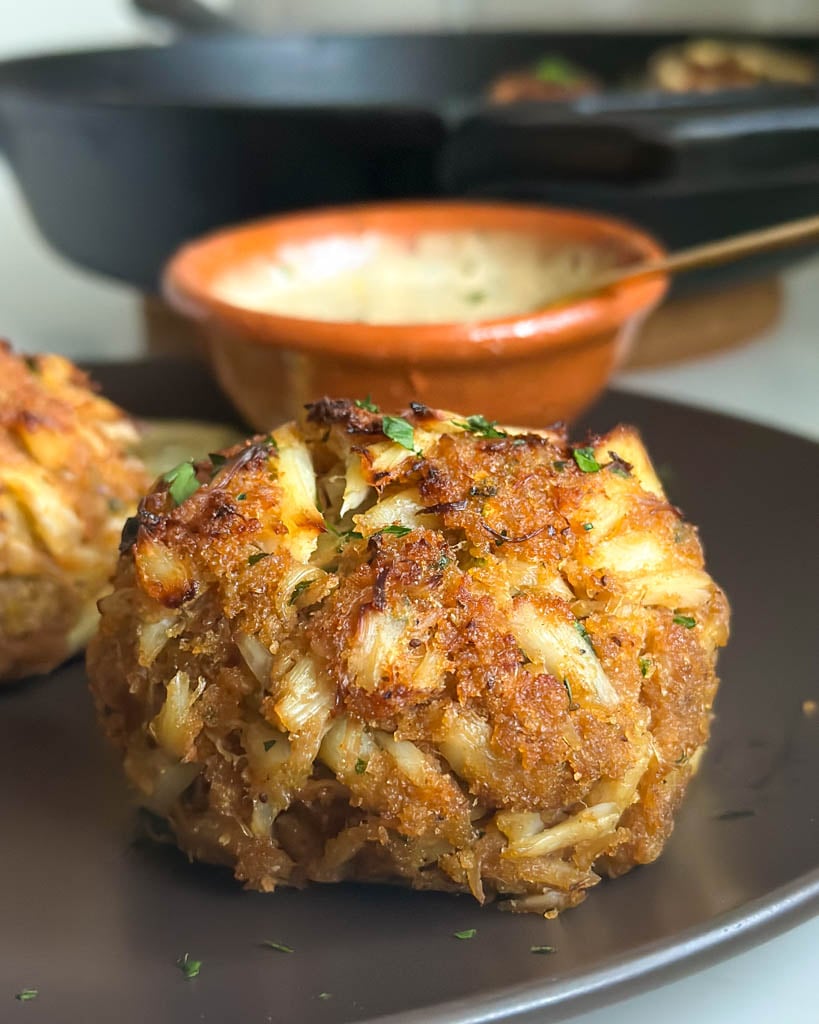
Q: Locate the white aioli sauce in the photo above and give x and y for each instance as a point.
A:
(431, 277)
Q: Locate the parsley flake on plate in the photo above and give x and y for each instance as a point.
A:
(25, 995)
(467, 933)
(190, 968)
(278, 946)
(542, 950)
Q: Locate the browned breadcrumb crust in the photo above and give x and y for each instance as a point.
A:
(475, 660)
(67, 481)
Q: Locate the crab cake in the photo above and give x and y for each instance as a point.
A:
(418, 649)
(67, 481)
(710, 65)
(551, 80)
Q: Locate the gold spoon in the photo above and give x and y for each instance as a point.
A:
(711, 253)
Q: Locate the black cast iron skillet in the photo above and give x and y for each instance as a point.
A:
(122, 155)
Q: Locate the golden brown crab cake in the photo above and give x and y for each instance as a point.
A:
(552, 79)
(710, 65)
(416, 648)
(67, 481)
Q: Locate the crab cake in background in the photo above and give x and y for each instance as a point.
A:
(710, 65)
(419, 649)
(552, 79)
(67, 481)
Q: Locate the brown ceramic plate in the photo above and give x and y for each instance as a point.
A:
(95, 921)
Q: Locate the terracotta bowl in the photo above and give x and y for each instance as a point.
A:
(531, 369)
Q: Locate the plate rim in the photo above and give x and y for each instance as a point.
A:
(639, 970)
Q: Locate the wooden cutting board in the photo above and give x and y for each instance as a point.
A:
(704, 324)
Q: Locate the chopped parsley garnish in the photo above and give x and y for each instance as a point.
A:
(299, 589)
(555, 70)
(278, 946)
(216, 459)
(344, 535)
(269, 744)
(645, 666)
(367, 403)
(581, 629)
(559, 465)
(181, 481)
(360, 766)
(241, 497)
(257, 556)
(588, 526)
(542, 950)
(442, 562)
(27, 994)
(584, 457)
(398, 430)
(467, 933)
(325, 995)
(396, 530)
(568, 687)
(481, 426)
(271, 442)
(618, 470)
(190, 968)
(685, 620)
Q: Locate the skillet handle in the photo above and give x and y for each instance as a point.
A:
(188, 15)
